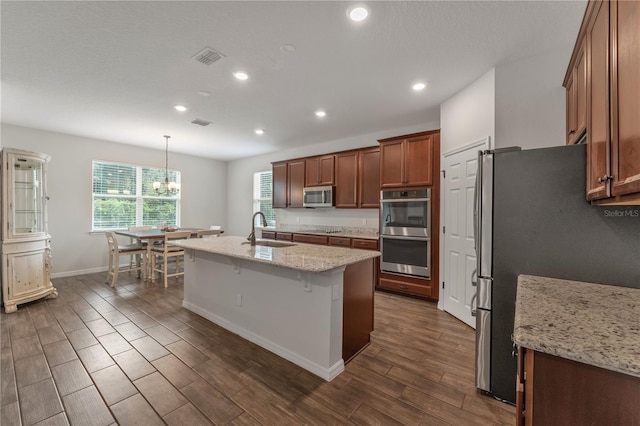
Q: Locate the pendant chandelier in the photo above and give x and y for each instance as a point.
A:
(167, 187)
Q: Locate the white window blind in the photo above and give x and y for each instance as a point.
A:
(123, 196)
(262, 193)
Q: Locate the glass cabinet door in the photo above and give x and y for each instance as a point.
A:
(27, 195)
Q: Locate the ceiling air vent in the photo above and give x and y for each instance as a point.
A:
(208, 56)
(200, 122)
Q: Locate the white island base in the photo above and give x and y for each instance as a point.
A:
(297, 315)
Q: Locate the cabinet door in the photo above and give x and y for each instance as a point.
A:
(326, 170)
(598, 138)
(391, 164)
(27, 273)
(418, 159)
(581, 93)
(312, 171)
(279, 176)
(295, 172)
(347, 180)
(571, 109)
(625, 92)
(369, 178)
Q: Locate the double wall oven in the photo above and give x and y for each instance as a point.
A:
(405, 232)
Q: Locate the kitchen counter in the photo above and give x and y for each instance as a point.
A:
(593, 324)
(310, 304)
(298, 256)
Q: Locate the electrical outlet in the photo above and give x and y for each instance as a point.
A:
(239, 299)
(364, 221)
(297, 220)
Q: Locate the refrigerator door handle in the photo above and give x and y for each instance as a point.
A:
(474, 311)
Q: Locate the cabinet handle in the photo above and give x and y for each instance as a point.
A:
(604, 178)
(572, 131)
(404, 287)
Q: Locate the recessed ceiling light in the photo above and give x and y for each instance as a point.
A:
(358, 13)
(320, 113)
(241, 75)
(204, 93)
(287, 48)
(180, 108)
(418, 86)
(259, 132)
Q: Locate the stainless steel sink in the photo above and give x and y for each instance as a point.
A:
(270, 243)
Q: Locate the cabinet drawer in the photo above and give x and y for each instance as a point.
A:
(286, 236)
(365, 244)
(310, 239)
(270, 235)
(340, 241)
(405, 287)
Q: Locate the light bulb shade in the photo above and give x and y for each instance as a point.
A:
(156, 186)
(172, 186)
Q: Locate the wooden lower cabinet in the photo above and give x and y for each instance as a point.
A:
(310, 239)
(340, 241)
(284, 236)
(557, 391)
(357, 313)
(412, 286)
(269, 235)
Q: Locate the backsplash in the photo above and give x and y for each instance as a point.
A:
(328, 229)
(359, 221)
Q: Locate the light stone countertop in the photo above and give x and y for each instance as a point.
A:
(590, 323)
(301, 257)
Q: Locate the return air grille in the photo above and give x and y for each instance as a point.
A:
(200, 122)
(207, 56)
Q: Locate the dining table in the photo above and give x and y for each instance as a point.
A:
(151, 235)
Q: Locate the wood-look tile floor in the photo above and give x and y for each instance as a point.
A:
(133, 356)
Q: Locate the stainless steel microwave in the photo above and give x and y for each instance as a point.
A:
(318, 196)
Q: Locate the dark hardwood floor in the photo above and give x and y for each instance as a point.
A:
(133, 355)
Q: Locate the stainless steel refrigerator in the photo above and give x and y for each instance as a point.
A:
(531, 217)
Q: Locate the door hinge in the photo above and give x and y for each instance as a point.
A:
(444, 228)
(442, 284)
(444, 173)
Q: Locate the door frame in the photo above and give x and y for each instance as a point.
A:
(483, 143)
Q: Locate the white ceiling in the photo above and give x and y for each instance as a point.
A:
(114, 70)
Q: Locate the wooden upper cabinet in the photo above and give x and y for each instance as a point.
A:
(577, 99)
(369, 178)
(625, 98)
(295, 176)
(407, 162)
(358, 178)
(598, 136)
(347, 179)
(280, 185)
(319, 171)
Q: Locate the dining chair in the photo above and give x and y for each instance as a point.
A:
(168, 252)
(116, 250)
(133, 240)
(209, 233)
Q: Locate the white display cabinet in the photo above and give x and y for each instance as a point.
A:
(26, 243)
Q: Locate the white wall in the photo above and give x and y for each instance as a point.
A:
(530, 100)
(469, 115)
(240, 178)
(74, 249)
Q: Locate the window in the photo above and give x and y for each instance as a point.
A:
(123, 196)
(262, 192)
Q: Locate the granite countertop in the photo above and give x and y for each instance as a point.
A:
(342, 233)
(298, 256)
(590, 323)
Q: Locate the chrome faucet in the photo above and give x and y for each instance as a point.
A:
(252, 235)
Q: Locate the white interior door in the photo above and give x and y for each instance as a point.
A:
(459, 263)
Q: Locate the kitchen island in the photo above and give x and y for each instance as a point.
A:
(312, 305)
(579, 352)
